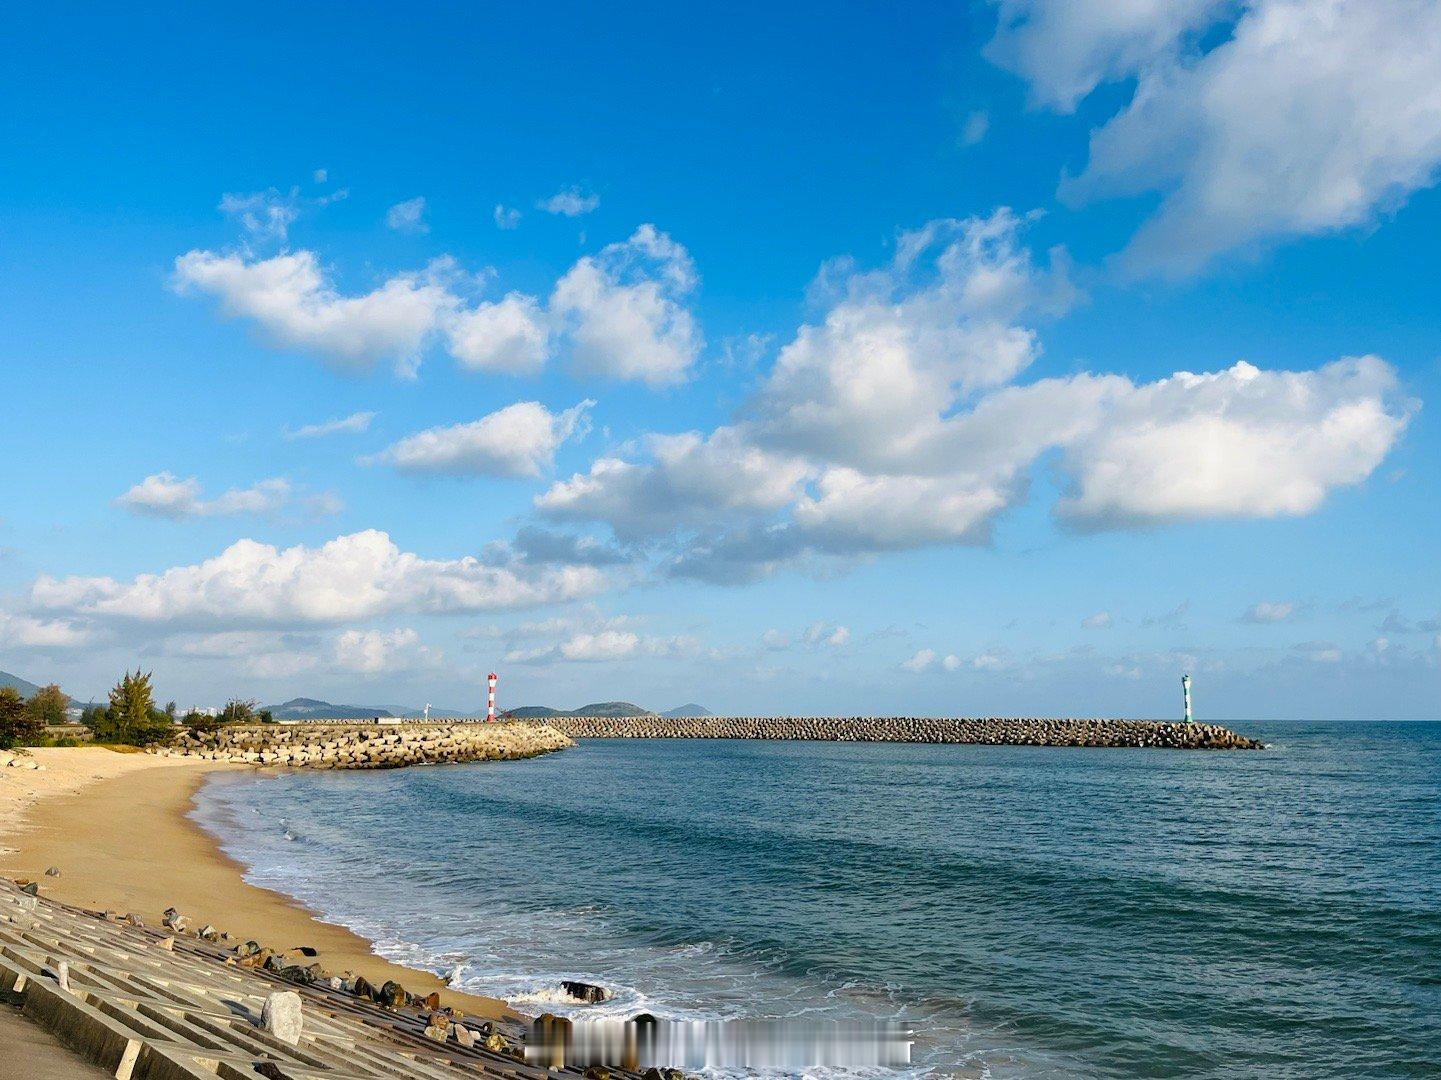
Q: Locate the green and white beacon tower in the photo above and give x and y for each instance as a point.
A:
(1186, 696)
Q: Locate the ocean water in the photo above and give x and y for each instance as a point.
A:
(1034, 912)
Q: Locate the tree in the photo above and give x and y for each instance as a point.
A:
(47, 707)
(17, 726)
(238, 711)
(131, 716)
(131, 701)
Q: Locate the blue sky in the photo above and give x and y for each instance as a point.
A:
(1002, 358)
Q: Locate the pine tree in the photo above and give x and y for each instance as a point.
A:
(17, 726)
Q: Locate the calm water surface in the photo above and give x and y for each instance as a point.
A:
(1034, 911)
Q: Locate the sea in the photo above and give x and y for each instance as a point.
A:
(1025, 911)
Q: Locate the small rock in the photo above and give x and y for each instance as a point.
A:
(31, 888)
(463, 1035)
(62, 975)
(209, 933)
(168, 944)
(134, 920)
(281, 1016)
(597, 1072)
(496, 1042)
(53, 871)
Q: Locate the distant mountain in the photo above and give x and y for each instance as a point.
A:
(304, 708)
(599, 708)
(690, 708)
(27, 689)
(24, 686)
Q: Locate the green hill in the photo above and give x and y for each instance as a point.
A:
(690, 708)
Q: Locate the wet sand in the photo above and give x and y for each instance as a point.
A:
(116, 827)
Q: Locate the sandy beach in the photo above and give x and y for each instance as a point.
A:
(116, 827)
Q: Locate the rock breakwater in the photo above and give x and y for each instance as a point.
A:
(990, 731)
(368, 746)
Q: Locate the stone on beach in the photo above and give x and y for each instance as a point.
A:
(281, 1016)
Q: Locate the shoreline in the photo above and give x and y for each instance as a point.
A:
(117, 826)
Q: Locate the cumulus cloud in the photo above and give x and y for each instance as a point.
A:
(354, 577)
(1309, 116)
(544, 547)
(505, 217)
(517, 441)
(27, 632)
(1269, 612)
(691, 479)
(570, 202)
(510, 335)
(408, 216)
(164, 495)
(895, 421)
(922, 659)
(1235, 443)
(295, 305)
(624, 310)
(376, 652)
(1099, 621)
(355, 424)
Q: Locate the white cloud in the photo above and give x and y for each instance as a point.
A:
(821, 632)
(505, 218)
(1269, 612)
(775, 641)
(295, 305)
(606, 642)
(1099, 621)
(894, 422)
(1235, 443)
(624, 310)
(320, 176)
(1065, 48)
(264, 215)
(690, 480)
(358, 576)
(355, 424)
(408, 216)
(1308, 117)
(165, 495)
(510, 335)
(376, 652)
(869, 385)
(518, 440)
(951, 662)
(923, 659)
(570, 202)
(27, 632)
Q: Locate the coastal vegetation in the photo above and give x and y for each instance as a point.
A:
(131, 716)
(18, 726)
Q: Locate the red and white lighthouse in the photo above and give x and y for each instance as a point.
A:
(490, 697)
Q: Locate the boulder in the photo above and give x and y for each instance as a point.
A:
(281, 1016)
(588, 993)
(392, 995)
